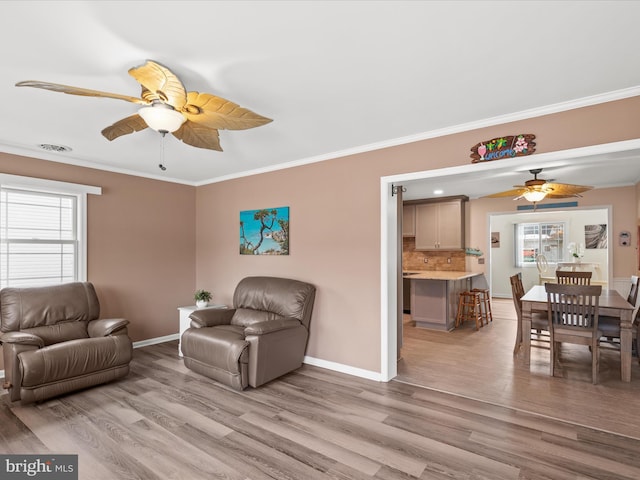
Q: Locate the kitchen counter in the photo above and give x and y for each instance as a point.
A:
(434, 296)
(433, 275)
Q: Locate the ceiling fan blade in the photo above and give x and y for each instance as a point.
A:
(160, 84)
(128, 125)
(85, 92)
(564, 190)
(198, 135)
(216, 112)
(552, 195)
(508, 193)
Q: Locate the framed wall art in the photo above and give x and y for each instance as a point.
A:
(264, 231)
(595, 236)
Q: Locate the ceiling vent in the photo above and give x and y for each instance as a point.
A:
(49, 147)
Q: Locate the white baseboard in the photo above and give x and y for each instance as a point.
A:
(156, 340)
(339, 367)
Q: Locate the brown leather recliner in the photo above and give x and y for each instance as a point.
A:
(263, 337)
(53, 341)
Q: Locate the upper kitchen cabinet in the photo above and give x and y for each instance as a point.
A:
(408, 220)
(440, 225)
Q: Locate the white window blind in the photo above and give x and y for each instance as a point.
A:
(38, 238)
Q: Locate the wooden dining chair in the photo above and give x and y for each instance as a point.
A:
(567, 277)
(539, 323)
(610, 326)
(573, 318)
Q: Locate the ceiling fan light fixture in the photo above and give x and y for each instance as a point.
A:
(534, 195)
(162, 118)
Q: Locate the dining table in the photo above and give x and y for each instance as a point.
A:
(611, 303)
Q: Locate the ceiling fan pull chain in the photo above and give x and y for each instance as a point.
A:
(162, 165)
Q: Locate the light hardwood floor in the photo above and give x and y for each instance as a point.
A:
(166, 422)
(481, 365)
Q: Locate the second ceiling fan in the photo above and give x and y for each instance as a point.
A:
(536, 189)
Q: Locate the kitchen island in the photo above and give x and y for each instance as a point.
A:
(434, 297)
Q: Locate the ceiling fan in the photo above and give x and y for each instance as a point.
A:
(537, 189)
(192, 117)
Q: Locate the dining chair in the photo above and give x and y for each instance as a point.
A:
(543, 270)
(573, 318)
(539, 322)
(567, 277)
(610, 326)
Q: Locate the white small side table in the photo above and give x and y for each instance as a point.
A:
(185, 321)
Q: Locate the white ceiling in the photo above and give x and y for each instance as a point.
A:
(335, 77)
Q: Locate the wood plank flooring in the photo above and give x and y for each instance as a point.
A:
(480, 365)
(166, 422)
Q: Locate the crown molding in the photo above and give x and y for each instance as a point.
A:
(488, 122)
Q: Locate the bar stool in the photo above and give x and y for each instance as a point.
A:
(485, 300)
(469, 308)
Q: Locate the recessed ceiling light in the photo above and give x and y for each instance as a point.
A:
(50, 147)
(438, 192)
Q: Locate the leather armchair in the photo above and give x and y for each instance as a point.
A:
(261, 338)
(54, 342)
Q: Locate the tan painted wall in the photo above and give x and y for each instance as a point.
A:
(141, 243)
(335, 221)
(152, 243)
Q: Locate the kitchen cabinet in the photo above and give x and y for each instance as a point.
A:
(440, 226)
(408, 220)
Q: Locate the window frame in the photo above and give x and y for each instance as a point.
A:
(519, 246)
(79, 191)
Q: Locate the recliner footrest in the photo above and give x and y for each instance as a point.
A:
(66, 360)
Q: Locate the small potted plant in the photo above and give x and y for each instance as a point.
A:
(202, 298)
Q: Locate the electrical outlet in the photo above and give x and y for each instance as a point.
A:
(426, 260)
(448, 260)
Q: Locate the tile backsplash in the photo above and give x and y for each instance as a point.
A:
(437, 260)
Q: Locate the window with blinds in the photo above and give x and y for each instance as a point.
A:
(38, 238)
(533, 239)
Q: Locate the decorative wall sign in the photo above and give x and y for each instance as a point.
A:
(264, 232)
(504, 147)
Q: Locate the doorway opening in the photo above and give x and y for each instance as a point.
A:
(390, 265)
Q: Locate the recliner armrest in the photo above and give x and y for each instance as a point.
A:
(104, 327)
(210, 317)
(22, 338)
(262, 328)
